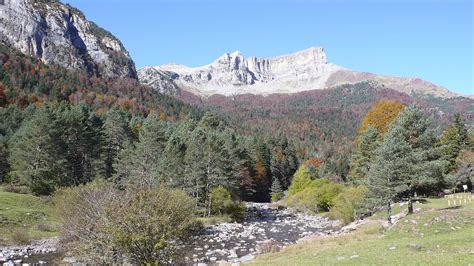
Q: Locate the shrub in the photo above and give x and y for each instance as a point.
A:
(45, 228)
(349, 205)
(276, 190)
(221, 200)
(150, 223)
(42, 187)
(318, 196)
(301, 180)
(21, 236)
(16, 189)
(237, 212)
(84, 213)
(146, 225)
(224, 203)
(268, 246)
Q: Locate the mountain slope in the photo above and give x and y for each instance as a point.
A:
(318, 118)
(233, 74)
(60, 34)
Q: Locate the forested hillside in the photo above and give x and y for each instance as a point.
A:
(62, 128)
(323, 123)
(25, 80)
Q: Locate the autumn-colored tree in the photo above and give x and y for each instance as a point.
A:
(314, 162)
(3, 97)
(380, 116)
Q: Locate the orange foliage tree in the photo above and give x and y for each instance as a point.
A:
(381, 115)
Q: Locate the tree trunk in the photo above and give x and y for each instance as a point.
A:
(389, 212)
(410, 206)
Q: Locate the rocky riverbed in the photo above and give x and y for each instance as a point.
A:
(265, 229)
(38, 252)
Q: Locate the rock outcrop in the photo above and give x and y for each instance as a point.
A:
(233, 74)
(60, 34)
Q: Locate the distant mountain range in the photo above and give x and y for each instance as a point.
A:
(60, 34)
(234, 74)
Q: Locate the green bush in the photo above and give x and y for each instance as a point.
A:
(350, 204)
(318, 196)
(101, 223)
(221, 200)
(237, 212)
(42, 187)
(276, 190)
(301, 180)
(276, 196)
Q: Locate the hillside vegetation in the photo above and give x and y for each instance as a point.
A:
(24, 217)
(436, 234)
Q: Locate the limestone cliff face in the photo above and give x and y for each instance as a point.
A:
(309, 69)
(60, 34)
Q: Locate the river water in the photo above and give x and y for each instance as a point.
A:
(265, 228)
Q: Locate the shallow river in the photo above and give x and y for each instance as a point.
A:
(264, 229)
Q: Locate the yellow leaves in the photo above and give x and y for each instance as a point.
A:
(163, 116)
(381, 115)
(260, 169)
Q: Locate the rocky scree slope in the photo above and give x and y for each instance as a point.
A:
(234, 74)
(60, 34)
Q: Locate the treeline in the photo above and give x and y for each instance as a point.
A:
(324, 122)
(60, 145)
(399, 155)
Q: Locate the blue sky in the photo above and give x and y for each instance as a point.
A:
(431, 39)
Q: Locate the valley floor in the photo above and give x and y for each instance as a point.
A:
(436, 234)
(25, 217)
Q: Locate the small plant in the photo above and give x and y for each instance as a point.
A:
(237, 212)
(277, 191)
(268, 246)
(21, 236)
(45, 228)
(16, 189)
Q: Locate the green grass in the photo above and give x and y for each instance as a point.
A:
(215, 219)
(33, 216)
(435, 235)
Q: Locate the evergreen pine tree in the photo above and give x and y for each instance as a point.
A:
(283, 162)
(172, 167)
(33, 156)
(453, 140)
(407, 160)
(363, 155)
(79, 133)
(262, 172)
(276, 190)
(117, 136)
(4, 166)
(141, 164)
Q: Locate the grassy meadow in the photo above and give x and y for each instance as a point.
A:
(24, 217)
(436, 234)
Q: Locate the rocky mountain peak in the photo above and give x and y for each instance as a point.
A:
(309, 69)
(60, 34)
